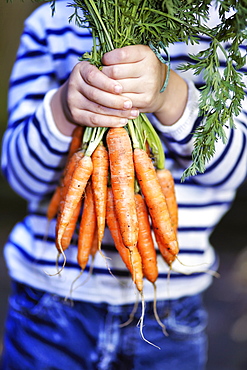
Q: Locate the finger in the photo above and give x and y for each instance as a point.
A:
(119, 72)
(141, 101)
(92, 76)
(104, 98)
(92, 119)
(133, 86)
(102, 110)
(127, 54)
(81, 104)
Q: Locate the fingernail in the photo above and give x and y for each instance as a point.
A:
(118, 89)
(134, 113)
(123, 121)
(127, 104)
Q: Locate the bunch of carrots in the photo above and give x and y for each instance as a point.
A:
(110, 178)
(118, 185)
(118, 174)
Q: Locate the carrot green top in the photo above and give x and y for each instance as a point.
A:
(117, 23)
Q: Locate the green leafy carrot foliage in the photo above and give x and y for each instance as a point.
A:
(118, 23)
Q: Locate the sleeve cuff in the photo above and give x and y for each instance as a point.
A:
(51, 125)
(183, 127)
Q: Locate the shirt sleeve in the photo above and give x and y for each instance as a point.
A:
(228, 167)
(33, 151)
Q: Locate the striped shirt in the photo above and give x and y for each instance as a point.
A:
(34, 153)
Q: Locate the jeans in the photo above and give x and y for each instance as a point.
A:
(45, 332)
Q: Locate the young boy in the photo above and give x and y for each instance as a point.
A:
(50, 94)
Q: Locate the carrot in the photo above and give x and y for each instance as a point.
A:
(82, 257)
(147, 251)
(95, 244)
(70, 229)
(74, 146)
(68, 173)
(100, 161)
(93, 250)
(166, 254)
(76, 188)
(69, 170)
(131, 258)
(122, 182)
(167, 184)
(145, 244)
(76, 141)
(87, 228)
(53, 206)
(156, 203)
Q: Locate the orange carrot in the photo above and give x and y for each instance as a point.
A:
(167, 184)
(147, 251)
(53, 206)
(87, 228)
(70, 229)
(68, 173)
(74, 146)
(131, 258)
(69, 170)
(100, 161)
(75, 191)
(83, 255)
(122, 182)
(95, 244)
(93, 251)
(156, 203)
(145, 244)
(76, 140)
(168, 256)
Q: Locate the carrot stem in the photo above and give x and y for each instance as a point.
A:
(154, 142)
(93, 137)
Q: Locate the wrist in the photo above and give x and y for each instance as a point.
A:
(63, 124)
(186, 123)
(173, 100)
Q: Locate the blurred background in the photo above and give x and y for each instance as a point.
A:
(226, 300)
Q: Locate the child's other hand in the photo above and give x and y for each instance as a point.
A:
(142, 76)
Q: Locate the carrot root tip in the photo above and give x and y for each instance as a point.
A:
(132, 314)
(209, 271)
(90, 272)
(63, 265)
(72, 285)
(156, 313)
(141, 323)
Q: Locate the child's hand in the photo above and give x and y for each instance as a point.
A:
(140, 73)
(142, 76)
(129, 83)
(90, 98)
